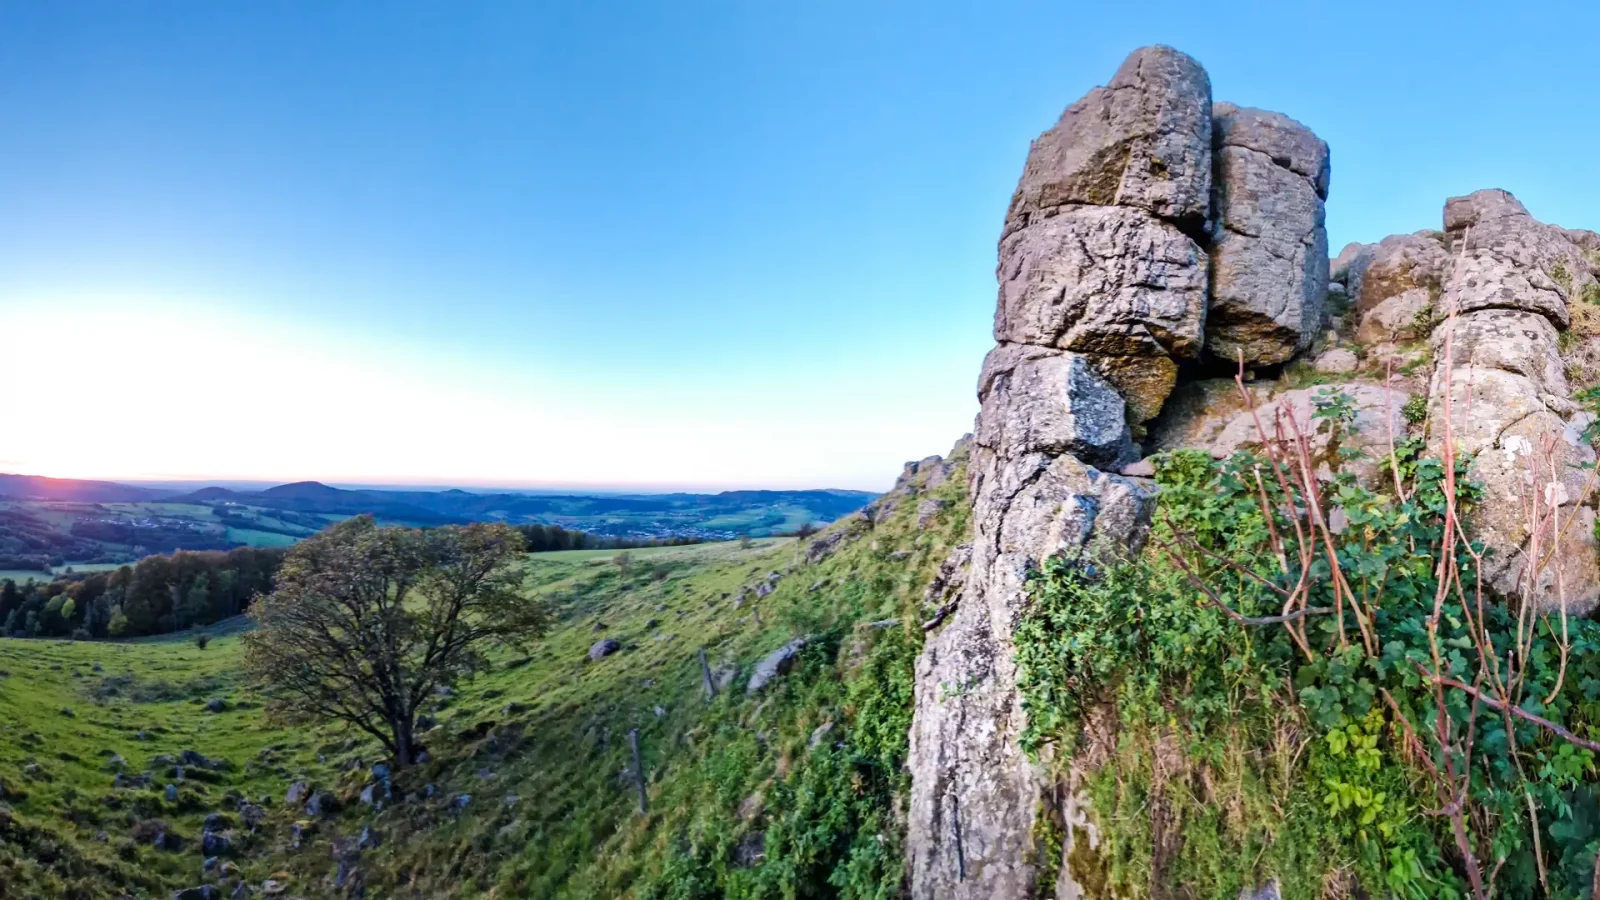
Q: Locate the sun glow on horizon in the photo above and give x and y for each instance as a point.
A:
(132, 389)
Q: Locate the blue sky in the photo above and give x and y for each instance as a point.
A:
(634, 244)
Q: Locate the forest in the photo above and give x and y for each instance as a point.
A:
(158, 594)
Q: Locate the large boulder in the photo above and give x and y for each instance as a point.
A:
(1038, 400)
(1269, 245)
(1108, 281)
(1142, 141)
(1402, 264)
(1212, 416)
(774, 664)
(1350, 266)
(1509, 340)
(1508, 260)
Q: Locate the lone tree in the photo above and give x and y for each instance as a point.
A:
(365, 623)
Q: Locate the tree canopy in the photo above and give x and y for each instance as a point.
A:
(366, 623)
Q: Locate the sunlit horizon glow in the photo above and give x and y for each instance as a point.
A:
(251, 399)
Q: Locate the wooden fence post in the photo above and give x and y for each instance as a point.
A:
(638, 767)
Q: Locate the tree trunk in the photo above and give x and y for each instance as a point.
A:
(404, 744)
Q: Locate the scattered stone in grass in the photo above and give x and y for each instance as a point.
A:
(603, 648)
(296, 793)
(774, 664)
(214, 843)
(319, 805)
(171, 793)
(818, 734)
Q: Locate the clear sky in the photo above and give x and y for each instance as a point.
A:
(631, 243)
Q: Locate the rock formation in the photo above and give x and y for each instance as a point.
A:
(1509, 284)
(1269, 248)
(1153, 229)
(1103, 288)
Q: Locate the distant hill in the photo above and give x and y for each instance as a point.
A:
(729, 512)
(51, 523)
(34, 487)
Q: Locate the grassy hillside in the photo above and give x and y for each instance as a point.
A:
(791, 791)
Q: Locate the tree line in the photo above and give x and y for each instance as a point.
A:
(547, 538)
(187, 589)
(157, 595)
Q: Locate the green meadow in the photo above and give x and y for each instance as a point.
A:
(529, 789)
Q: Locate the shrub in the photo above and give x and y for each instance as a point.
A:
(1318, 716)
(1415, 409)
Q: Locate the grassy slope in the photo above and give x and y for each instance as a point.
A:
(741, 804)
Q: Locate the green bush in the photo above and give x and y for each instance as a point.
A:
(1270, 758)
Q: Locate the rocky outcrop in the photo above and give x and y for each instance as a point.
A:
(1269, 247)
(1103, 283)
(1151, 228)
(1215, 419)
(1097, 254)
(1143, 142)
(1113, 282)
(1500, 372)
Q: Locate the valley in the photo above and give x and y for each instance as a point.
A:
(526, 791)
(48, 526)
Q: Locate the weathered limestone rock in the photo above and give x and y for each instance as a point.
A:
(974, 793)
(1112, 282)
(1338, 361)
(1509, 260)
(1399, 264)
(1099, 290)
(774, 664)
(1143, 141)
(1096, 255)
(1214, 418)
(1037, 400)
(1404, 317)
(1350, 266)
(1500, 374)
(1269, 246)
(1509, 340)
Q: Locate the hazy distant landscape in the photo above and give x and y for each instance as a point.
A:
(49, 525)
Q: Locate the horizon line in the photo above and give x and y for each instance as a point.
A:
(424, 485)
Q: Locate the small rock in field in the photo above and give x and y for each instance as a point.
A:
(603, 648)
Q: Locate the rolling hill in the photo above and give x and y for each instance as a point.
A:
(115, 763)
